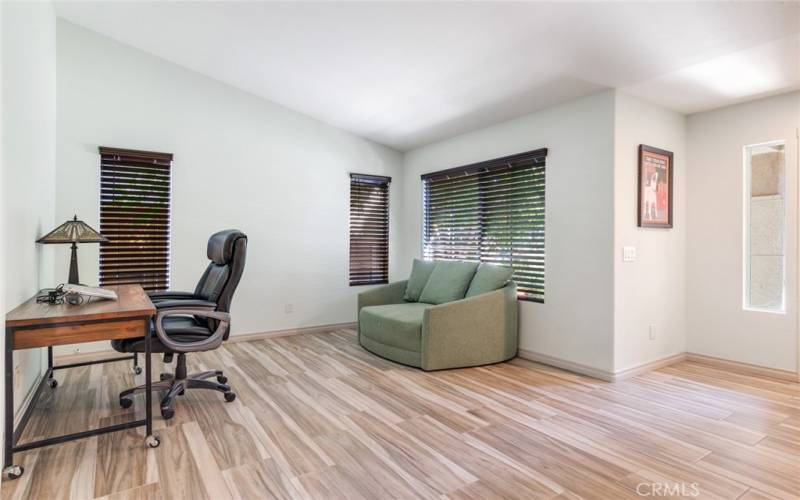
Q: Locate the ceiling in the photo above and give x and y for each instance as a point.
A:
(407, 74)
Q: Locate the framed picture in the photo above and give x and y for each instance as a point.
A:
(655, 187)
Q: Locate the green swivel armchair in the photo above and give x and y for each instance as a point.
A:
(448, 314)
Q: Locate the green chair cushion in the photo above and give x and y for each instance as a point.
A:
(448, 281)
(420, 272)
(489, 278)
(396, 325)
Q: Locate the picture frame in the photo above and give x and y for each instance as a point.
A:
(656, 171)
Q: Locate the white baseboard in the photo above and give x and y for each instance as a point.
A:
(243, 337)
(650, 366)
(566, 365)
(248, 337)
(724, 364)
(605, 375)
(746, 368)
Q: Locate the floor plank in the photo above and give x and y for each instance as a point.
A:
(318, 417)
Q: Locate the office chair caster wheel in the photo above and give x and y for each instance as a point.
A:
(125, 402)
(167, 413)
(222, 379)
(53, 383)
(153, 441)
(230, 396)
(137, 370)
(14, 471)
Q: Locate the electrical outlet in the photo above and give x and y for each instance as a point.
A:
(652, 332)
(288, 308)
(628, 254)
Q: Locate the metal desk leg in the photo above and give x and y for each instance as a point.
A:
(53, 383)
(9, 469)
(152, 440)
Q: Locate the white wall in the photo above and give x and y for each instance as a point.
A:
(575, 323)
(240, 161)
(28, 163)
(246, 155)
(651, 290)
(717, 324)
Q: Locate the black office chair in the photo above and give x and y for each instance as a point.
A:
(191, 322)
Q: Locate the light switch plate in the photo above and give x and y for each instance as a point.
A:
(628, 254)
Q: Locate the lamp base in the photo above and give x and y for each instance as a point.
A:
(73, 266)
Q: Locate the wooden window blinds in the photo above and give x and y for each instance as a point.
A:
(493, 212)
(369, 229)
(135, 217)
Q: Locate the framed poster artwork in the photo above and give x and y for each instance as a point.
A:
(655, 187)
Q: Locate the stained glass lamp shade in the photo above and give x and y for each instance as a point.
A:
(73, 231)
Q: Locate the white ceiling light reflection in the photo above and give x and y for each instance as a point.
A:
(769, 68)
(743, 73)
(731, 77)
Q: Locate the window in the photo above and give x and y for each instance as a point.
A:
(490, 212)
(369, 229)
(134, 216)
(765, 226)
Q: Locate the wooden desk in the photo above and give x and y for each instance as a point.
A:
(35, 324)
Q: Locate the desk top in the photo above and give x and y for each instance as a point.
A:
(132, 302)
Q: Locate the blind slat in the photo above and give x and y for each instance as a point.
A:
(135, 192)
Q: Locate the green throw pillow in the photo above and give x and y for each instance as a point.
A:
(420, 272)
(448, 281)
(489, 278)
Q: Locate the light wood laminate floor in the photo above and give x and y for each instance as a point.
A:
(318, 417)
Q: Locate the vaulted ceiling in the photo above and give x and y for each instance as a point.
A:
(407, 74)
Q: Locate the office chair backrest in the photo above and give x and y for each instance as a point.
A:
(227, 251)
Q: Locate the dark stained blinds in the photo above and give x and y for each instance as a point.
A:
(491, 212)
(135, 217)
(369, 229)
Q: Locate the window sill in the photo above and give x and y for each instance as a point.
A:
(768, 311)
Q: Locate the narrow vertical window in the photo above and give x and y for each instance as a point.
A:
(765, 226)
(135, 217)
(369, 229)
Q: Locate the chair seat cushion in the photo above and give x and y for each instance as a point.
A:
(396, 325)
(180, 328)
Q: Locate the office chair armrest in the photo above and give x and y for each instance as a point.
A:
(182, 304)
(211, 342)
(170, 295)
